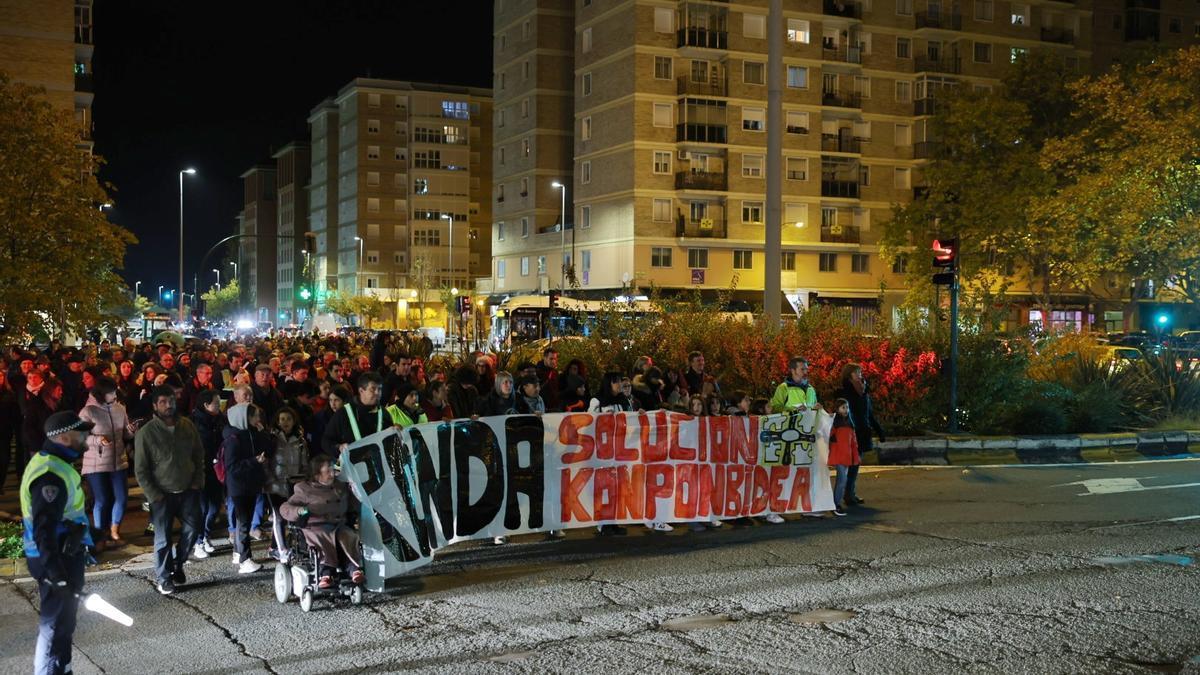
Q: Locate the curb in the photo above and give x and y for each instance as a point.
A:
(1059, 449)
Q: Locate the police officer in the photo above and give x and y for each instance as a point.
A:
(56, 536)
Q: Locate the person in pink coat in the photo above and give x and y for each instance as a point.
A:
(106, 460)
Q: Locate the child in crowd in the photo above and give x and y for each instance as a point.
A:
(843, 452)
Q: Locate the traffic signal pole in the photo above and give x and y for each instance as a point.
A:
(953, 426)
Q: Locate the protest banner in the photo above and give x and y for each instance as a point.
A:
(431, 485)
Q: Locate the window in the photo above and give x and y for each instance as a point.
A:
(500, 78)
(797, 77)
(587, 84)
(662, 114)
(500, 117)
(1175, 26)
(660, 256)
(754, 119)
(525, 147)
(372, 152)
(903, 91)
(373, 100)
(524, 108)
(525, 266)
(798, 31)
(698, 258)
(431, 159)
(662, 162)
(864, 175)
(864, 42)
(585, 128)
(862, 130)
(585, 217)
(662, 210)
(827, 262)
(1019, 15)
(983, 52)
(500, 156)
(752, 72)
(904, 7)
(585, 260)
(860, 263)
(541, 264)
(904, 48)
(903, 135)
(586, 38)
(903, 178)
(525, 30)
(372, 126)
(373, 230)
(524, 227)
(525, 70)
(662, 67)
(664, 20)
(699, 71)
(501, 268)
(754, 25)
(797, 122)
(698, 211)
(900, 265)
(862, 86)
(373, 257)
(797, 168)
(752, 166)
(1017, 53)
(787, 261)
(585, 172)
(983, 10)
(829, 216)
(372, 178)
(743, 259)
(752, 212)
(795, 214)
(499, 231)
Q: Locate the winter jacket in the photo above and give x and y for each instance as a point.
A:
(288, 464)
(530, 406)
(339, 430)
(191, 394)
(791, 395)
(616, 403)
(548, 377)
(326, 504)
(648, 396)
(210, 428)
(434, 413)
(268, 400)
(168, 458)
(843, 446)
(244, 475)
(36, 409)
(494, 404)
(110, 422)
(862, 413)
(403, 417)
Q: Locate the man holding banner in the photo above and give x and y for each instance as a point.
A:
(358, 418)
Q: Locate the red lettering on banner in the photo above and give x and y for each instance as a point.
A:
(660, 478)
(718, 438)
(572, 487)
(631, 492)
(778, 475)
(753, 422)
(656, 451)
(568, 434)
(762, 490)
(685, 505)
(604, 436)
(702, 438)
(742, 448)
(712, 490)
(604, 493)
(800, 490)
(678, 451)
(735, 475)
(623, 453)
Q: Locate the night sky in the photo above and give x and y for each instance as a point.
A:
(219, 86)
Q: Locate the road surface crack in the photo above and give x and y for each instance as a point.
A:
(29, 599)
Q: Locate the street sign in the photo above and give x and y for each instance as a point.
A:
(697, 276)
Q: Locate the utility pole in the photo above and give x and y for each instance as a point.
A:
(945, 257)
(773, 241)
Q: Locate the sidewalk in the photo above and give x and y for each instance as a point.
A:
(1065, 449)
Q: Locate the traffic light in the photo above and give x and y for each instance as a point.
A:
(462, 303)
(554, 296)
(305, 294)
(945, 257)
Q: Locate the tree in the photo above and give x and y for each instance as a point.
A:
(340, 305)
(223, 302)
(59, 255)
(980, 183)
(1131, 170)
(367, 307)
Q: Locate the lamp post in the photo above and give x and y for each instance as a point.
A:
(218, 278)
(136, 284)
(358, 270)
(191, 172)
(562, 231)
(160, 298)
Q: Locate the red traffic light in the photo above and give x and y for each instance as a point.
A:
(945, 253)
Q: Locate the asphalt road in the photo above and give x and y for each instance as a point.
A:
(1006, 569)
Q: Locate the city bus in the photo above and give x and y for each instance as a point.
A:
(525, 318)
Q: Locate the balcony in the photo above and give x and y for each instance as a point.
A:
(840, 234)
(839, 143)
(841, 99)
(700, 180)
(688, 87)
(850, 10)
(951, 65)
(942, 20)
(845, 54)
(705, 38)
(705, 228)
(925, 149)
(700, 133)
(924, 106)
(83, 82)
(839, 188)
(1063, 36)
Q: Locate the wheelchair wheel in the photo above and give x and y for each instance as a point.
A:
(356, 595)
(306, 600)
(283, 582)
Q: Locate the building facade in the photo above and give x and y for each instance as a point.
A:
(292, 166)
(1118, 25)
(669, 134)
(257, 248)
(392, 163)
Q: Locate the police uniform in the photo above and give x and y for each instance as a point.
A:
(56, 535)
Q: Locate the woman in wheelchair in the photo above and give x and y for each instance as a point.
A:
(319, 506)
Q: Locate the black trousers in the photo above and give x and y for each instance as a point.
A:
(56, 623)
(185, 507)
(243, 513)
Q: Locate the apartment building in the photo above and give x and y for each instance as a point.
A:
(1119, 25)
(401, 175)
(48, 44)
(257, 251)
(670, 134)
(292, 166)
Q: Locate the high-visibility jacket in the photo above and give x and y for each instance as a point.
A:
(402, 418)
(790, 395)
(41, 464)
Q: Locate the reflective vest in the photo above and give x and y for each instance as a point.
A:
(401, 419)
(354, 420)
(41, 464)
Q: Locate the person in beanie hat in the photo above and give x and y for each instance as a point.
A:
(529, 400)
(407, 410)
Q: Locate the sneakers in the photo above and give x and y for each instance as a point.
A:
(856, 500)
(179, 577)
(714, 523)
(500, 541)
(208, 547)
(256, 534)
(248, 566)
(556, 534)
(357, 577)
(659, 526)
(325, 582)
(146, 507)
(198, 552)
(774, 518)
(115, 533)
(839, 511)
(237, 558)
(166, 587)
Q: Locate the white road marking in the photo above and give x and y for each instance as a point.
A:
(1108, 486)
(1080, 465)
(1146, 522)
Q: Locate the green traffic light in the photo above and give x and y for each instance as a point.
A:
(305, 294)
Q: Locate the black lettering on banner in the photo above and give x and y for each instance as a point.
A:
(473, 438)
(372, 456)
(434, 486)
(529, 480)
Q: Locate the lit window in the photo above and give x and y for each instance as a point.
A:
(798, 31)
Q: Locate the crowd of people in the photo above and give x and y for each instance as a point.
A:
(251, 427)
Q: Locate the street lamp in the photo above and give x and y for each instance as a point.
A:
(135, 288)
(450, 261)
(358, 270)
(562, 231)
(105, 205)
(218, 278)
(191, 172)
(160, 295)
